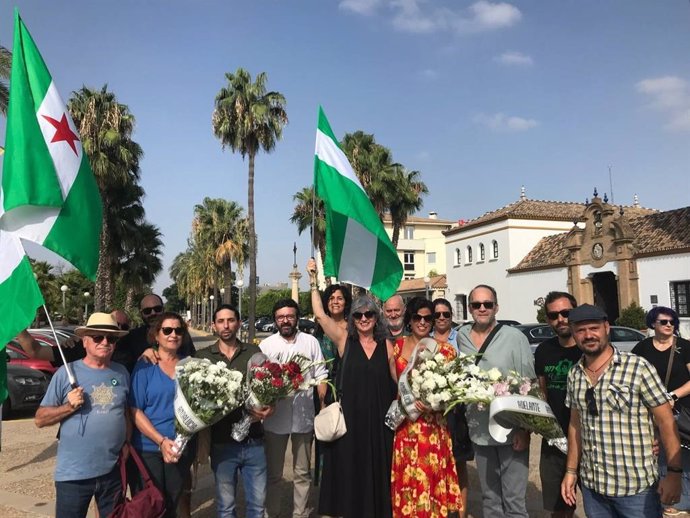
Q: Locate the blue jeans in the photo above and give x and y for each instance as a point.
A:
(249, 459)
(72, 497)
(645, 504)
(684, 504)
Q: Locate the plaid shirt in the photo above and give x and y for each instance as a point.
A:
(616, 447)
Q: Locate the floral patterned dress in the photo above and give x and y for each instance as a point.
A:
(424, 481)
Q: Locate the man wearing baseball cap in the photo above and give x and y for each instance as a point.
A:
(615, 399)
(93, 421)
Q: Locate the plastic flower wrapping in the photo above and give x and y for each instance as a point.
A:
(205, 392)
(268, 381)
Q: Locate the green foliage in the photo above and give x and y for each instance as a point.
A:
(541, 315)
(305, 303)
(264, 304)
(632, 316)
(173, 302)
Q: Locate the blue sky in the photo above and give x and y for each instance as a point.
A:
(482, 97)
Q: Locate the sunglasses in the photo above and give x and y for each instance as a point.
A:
(591, 402)
(99, 338)
(476, 305)
(553, 315)
(177, 330)
(665, 322)
(358, 316)
(153, 309)
(426, 318)
(442, 314)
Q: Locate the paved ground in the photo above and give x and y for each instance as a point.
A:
(27, 460)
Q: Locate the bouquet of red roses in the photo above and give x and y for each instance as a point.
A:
(268, 381)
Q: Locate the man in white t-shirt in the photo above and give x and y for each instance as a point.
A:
(294, 416)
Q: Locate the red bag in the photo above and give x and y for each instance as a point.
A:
(147, 503)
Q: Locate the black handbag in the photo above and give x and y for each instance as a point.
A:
(681, 412)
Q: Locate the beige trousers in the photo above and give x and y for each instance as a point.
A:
(276, 445)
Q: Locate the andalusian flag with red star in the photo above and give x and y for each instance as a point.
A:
(49, 194)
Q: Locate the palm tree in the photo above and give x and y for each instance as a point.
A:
(249, 119)
(143, 261)
(304, 214)
(106, 128)
(5, 69)
(406, 198)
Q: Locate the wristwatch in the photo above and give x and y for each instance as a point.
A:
(673, 395)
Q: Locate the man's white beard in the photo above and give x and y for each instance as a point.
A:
(396, 325)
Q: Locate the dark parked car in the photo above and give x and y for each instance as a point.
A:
(261, 322)
(306, 326)
(624, 338)
(26, 388)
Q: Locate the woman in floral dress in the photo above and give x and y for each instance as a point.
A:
(424, 481)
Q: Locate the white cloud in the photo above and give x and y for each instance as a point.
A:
(364, 7)
(500, 122)
(669, 95)
(422, 16)
(512, 57)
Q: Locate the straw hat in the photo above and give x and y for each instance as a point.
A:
(100, 323)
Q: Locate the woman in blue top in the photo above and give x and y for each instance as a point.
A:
(151, 401)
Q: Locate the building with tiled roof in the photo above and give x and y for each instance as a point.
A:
(430, 287)
(601, 253)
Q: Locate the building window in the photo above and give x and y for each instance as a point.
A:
(408, 260)
(409, 276)
(431, 257)
(494, 246)
(482, 255)
(680, 291)
(469, 255)
(458, 256)
(409, 232)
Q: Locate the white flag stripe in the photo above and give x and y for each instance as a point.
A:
(11, 254)
(65, 160)
(358, 259)
(30, 222)
(333, 156)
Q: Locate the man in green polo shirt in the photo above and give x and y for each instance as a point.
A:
(229, 457)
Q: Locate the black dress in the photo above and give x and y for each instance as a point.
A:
(357, 467)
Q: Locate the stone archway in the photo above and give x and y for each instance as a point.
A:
(605, 291)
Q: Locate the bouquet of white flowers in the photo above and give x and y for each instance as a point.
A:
(205, 392)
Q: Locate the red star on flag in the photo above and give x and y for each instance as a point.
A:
(63, 131)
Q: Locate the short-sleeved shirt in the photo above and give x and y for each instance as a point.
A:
(294, 414)
(221, 431)
(91, 438)
(553, 361)
(152, 392)
(617, 458)
(679, 370)
(508, 351)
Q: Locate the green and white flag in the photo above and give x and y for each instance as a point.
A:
(358, 249)
(49, 194)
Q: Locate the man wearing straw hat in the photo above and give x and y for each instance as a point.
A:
(92, 415)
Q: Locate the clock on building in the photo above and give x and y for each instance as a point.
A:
(598, 251)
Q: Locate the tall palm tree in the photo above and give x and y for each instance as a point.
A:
(142, 262)
(406, 198)
(5, 69)
(248, 119)
(304, 214)
(106, 128)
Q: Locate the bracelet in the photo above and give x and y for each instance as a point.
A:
(674, 469)
(160, 444)
(571, 471)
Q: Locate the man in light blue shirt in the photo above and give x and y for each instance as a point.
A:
(93, 422)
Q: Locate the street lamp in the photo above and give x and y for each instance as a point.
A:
(86, 304)
(222, 295)
(427, 280)
(63, 289)
(239, 283)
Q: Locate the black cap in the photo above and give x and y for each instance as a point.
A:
(586, 312)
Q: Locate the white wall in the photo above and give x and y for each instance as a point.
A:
(656, 274)
(517, 303)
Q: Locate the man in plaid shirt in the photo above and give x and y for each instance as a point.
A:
(615, 399)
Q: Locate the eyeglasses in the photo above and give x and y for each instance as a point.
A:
(553, 315)
(168, 330)
(591, 402)
(152, 309)
(665, 322)
(426, 318)
(286, 318)
(487, 304)
(442, 314)
(368, 314)
(99, 338)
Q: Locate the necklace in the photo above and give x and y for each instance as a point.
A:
(594, 371)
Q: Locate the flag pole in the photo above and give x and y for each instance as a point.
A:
(313, 218)
(72, 380)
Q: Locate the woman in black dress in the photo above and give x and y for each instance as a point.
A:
(657, 350)
(357, 467)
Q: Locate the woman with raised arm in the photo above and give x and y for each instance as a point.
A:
(356, 468)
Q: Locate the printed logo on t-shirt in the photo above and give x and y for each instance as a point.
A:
(103, 396)
(557, 375)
